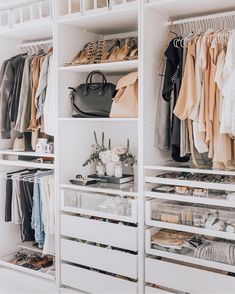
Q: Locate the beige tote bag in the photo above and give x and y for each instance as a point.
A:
(125, 103)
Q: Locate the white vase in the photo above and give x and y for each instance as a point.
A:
(118, 170)
(100, 169)
(110, 169)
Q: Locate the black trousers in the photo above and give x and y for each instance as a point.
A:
(26, 201)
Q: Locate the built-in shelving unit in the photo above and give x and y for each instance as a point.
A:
(37, 27)
(160, 262)
(83, 206)
(107, 251)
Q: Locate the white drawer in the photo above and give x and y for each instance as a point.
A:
(190, 183)
(109, 260)
(116, 235)
(151, 290)
(188, 279)
(94, 282)
(100, 205)
(149, 208)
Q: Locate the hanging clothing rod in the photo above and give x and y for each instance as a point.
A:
(28, 178)
(37, 43)
(201, 18)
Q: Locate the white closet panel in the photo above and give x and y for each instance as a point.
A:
(117, 235)
(186, 278)
(106, 259)
(93, 282)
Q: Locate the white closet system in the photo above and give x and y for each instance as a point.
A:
(72, 26)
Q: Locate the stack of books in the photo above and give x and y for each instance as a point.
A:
(126, 181)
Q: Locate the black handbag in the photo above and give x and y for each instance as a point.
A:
(92, 99)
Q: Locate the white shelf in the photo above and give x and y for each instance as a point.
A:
(27, 164)
(190, 199)
(190, 229)
(195, 184)
(99, 119)
(26, 270)
(14, 3)
(31, 31)
(23, 153)
(111, 67)
(97, 189)
(189, 170)
(117, 21)
(179, 8)
(29, 246)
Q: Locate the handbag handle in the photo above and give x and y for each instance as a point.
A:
(89, 81)
(72, 98)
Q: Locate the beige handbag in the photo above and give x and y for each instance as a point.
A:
(125, 103)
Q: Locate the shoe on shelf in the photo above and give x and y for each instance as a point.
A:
(123, 51)
(112, 51)
(133, 50)
(78, 58)
(91, 53)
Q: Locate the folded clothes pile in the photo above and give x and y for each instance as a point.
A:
(198, 246)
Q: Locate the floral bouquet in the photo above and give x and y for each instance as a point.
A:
(118, 153)
(110, 157)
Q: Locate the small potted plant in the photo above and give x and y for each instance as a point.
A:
(95, 155)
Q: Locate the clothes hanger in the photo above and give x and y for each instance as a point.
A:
(179, 41)
(161, 64)
(190, 33)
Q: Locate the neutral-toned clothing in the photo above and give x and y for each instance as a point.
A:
(187, 95)
(34, 125)
(42, 86)
(207, 98)
(49, 109)
(24, 108)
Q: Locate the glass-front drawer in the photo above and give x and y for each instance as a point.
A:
(101, 205)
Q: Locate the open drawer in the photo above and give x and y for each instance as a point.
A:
(106, 259)
(176, 220)
(94, 282)
(117, 235)
(100, 205)
(187, 279)
(187, 258)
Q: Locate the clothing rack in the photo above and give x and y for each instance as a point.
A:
(26, 178)
(36, 45)
(217, 20)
